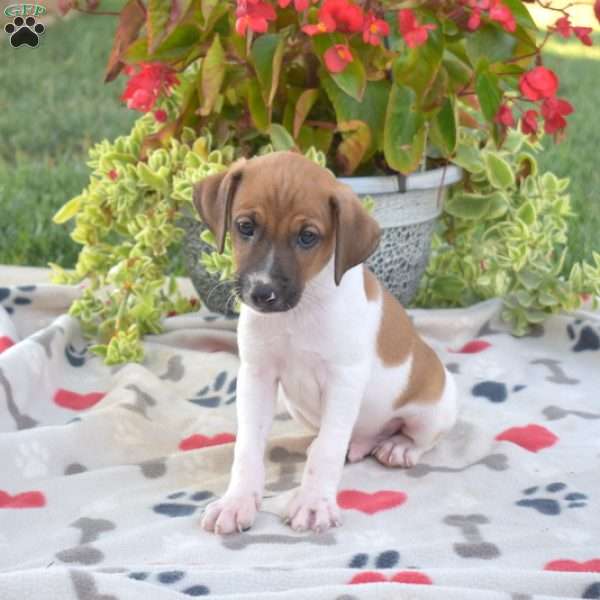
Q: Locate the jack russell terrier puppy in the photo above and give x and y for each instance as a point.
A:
(317, 326)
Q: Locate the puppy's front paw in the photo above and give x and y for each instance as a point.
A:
(231, 514)
(311, 510)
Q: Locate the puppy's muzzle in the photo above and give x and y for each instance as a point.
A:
(264, 297)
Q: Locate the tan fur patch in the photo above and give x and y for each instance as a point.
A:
(427, 376)
(371, 285)
(397, 341)
(395, 337)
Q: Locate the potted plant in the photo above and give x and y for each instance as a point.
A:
(375, 90)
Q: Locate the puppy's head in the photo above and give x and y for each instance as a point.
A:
(288, 218)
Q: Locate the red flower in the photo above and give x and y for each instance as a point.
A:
(474, 20)
(412, 31)
(160, 115)
(325, 25)
(337, 58)
(554, 110)
(254, 15)
(505, 116)
(299, 5)
(501, 13)
(147, 84)
(529, 122)
(563, 27)
(373, 28)
(347, 17)
(583, 33)
(538, 83)
(112, 175)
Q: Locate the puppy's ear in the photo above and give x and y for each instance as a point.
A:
(357, 233)
(213, 197)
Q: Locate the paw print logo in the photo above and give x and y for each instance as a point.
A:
(24, 32)
(559, 499)
(385, 560)
(585, 337)
(32, 460)
(174, 579)
(10, 298)
(220, 392)
(182, 504)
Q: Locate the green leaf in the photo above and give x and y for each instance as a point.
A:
(444, 127)
(280, 137)
(489, 43)
(258, 109)
(418, 67)
(370, 110)
(468, 206)
(499, 203)
(158, 13)
(404, 132)
(354, 145)
(448, 287)
(353, 79)
(499, 172)
(489, 94)
(530, 279)
(212, 75)
(469, 158)
(68, 210)
(527, 213)
(176, 47)
(267, 54)
(303, 105)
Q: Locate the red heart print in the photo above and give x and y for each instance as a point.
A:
(193, 442)
(75, 401)
(370, 503)
(473, 347)
(5, 343)
(531, 437)
(413, 577)
(590, 566)
(23, 500)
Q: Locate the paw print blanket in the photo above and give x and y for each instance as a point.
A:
(105, 472)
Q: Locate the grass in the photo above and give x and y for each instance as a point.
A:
(54, 105)
(577, 156)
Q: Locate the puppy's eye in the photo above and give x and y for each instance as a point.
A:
(246, 227)
(307, 238)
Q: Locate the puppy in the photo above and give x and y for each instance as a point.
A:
(318, 327)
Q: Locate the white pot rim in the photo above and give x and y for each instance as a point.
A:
(398, 184)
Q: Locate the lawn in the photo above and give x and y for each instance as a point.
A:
(54, 105)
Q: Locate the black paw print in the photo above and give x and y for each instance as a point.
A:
(171, 578)
(188, 504)
(24, 32)
(552, 506)
(587, 337)
(385, 560)
(218, 393)
(10, 296)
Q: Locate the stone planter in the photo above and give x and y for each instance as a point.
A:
(405, 207)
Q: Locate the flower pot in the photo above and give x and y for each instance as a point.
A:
(406, 209)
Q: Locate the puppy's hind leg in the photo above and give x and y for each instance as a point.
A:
(424, 424)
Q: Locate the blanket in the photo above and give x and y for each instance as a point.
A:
(105, 471)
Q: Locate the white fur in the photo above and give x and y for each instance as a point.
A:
(323, 355)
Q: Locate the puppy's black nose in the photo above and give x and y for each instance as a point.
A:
(263, 296)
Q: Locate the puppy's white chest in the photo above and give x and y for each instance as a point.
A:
(302, 382)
